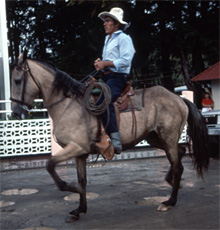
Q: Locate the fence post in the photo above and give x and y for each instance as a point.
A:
(4, 62)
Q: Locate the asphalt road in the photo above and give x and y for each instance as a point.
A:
(121, 195)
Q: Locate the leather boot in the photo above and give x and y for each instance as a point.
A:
(116, 142)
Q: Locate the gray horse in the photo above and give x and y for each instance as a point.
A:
(160, 122)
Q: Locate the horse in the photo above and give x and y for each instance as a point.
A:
(160, 122)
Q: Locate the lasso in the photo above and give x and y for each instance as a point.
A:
(100, 105)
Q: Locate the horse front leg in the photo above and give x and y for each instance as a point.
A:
(68, 152)
(81, 174)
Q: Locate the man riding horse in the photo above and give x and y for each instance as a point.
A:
(117, 55)
(161, 122)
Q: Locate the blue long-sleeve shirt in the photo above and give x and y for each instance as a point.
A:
(120, 50)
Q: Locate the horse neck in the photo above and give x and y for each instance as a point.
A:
(44, 77)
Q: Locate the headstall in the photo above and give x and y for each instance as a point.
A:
(26, 69)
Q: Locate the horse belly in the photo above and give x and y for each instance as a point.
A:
(133, 130)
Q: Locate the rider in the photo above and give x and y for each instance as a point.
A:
(117, 55)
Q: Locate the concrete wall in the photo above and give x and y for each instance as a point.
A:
(188, 95)
(216, 93)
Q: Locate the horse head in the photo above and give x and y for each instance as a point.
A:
(23, 87)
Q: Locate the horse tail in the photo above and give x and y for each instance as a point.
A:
(198, 132)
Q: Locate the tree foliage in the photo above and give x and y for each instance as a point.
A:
(174, 40)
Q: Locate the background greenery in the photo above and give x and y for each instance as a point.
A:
(174, 40)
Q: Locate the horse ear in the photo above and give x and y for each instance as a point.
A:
(22, 58)
(15, 63)
(25, 55)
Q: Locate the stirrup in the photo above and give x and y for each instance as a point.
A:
(105, 147)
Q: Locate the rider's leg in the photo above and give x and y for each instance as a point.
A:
(117, 85)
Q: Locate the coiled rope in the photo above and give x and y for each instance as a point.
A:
(103, 100)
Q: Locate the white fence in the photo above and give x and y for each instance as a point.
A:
(33, 136)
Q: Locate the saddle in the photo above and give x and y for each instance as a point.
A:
(122, 101)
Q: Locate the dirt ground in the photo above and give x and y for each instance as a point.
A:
(121, 195)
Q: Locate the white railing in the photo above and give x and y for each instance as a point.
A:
(33, 110)
(33, 136)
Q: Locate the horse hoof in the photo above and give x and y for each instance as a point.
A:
(72, 218)
(162, 208)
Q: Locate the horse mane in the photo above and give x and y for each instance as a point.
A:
(68, 85)
(48, 64)
(63, 81)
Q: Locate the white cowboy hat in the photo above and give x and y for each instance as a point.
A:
(115, 13)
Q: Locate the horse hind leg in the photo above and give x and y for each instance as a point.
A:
(173, 177)
(169, 176)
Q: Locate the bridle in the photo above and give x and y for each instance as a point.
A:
(26, 69)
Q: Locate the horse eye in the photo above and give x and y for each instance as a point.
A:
(17, 82)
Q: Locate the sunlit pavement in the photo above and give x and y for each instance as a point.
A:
(121, 195)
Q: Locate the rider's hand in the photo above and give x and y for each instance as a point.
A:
(99, 65)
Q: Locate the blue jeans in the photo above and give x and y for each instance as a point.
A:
(116, 83)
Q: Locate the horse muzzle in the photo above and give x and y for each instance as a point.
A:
(19, 112)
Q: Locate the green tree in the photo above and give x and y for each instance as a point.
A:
(174, 40)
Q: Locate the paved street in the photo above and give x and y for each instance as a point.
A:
(121, 195)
